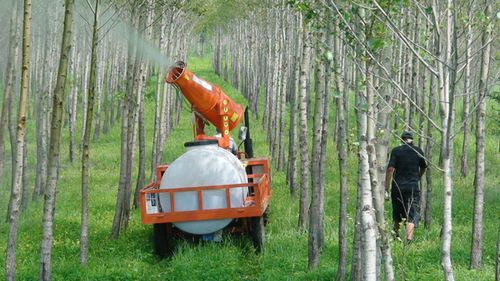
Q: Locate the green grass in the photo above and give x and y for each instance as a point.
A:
(285, 256)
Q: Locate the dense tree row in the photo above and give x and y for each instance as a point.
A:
(402, 61)
(80, 77)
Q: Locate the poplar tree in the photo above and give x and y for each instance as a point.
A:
(9, 81)
(84, 229)
(54, 147)
(304, 157)
(15, 197)
(477, 223)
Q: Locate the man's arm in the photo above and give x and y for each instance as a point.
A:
(421, 172)
(422, 164)
(388, 177)
(390, 171)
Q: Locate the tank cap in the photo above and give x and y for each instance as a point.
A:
(201, 142)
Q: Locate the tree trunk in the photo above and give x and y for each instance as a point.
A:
(141, 174)
(143, 74)
(274, 92)
(99, 90)
(414, 81)
(283, 97)
(356, 267)
(342, 154)
(42, 121)
(84, 228)
(356, 263)
(55, 141)
(315, 210)
(108, 90)
(159, 97)
(464, 167)
(425, 74)
(73, 104)
(304, 157)
(12, 121)
(85, 82)
(25, 182)
(324, 131)
(427, 211)
(380, 140)
(217, 52)
(13, 218)
(157, 127)
(41, 163)
(122, 207)
(123, 166)
(292, 133)
(368, 223)
(406, 77)
(447, 201)
(447, 82)
(477, 222)
(377, 187)
(269, 81)
(9, 81)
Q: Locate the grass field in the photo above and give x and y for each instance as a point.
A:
(285, 255)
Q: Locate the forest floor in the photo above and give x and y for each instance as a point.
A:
(285, 256)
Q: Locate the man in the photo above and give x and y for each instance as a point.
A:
(407, 164)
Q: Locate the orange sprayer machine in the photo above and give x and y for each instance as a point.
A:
(212, 188)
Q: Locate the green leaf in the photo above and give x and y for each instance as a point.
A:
(375, 43)
(329, 56)
(336, 94)
(428, 10)
(347, 16)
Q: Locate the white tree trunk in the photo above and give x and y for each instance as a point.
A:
(368, 224)
(304, 157)
(54, 150)
(15, 200)
(342, 153)
(446, 100)
(316, 210)
(8, 86)
(477, 224)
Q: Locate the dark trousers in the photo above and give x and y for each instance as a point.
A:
(405, 205)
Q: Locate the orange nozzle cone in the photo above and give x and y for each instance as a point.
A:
(207, 99)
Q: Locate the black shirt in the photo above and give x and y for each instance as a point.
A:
(407, 160)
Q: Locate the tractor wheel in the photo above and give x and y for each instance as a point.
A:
(257, 232)
(266, 215)
(163, 243)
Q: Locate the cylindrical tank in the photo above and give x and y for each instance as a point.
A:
(203, 164)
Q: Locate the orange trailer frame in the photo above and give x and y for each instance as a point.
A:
(255, 203)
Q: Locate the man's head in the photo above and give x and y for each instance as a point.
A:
(407, 137)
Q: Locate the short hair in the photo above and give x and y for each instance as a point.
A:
(406, 135)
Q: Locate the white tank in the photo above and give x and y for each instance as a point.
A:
(203, 164)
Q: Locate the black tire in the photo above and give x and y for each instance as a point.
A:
(163, 243)
(266, 215)
(257, 233)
